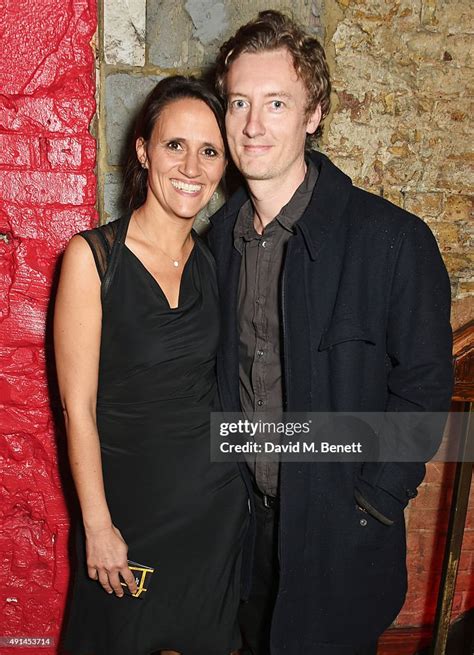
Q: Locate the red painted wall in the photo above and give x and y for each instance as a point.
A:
(47, 193)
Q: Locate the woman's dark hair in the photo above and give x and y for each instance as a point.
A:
(165, 92)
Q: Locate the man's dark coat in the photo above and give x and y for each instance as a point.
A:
(365, 305)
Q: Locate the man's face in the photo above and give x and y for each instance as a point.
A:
(266, 116)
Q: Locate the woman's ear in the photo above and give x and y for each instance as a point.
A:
(140, 147)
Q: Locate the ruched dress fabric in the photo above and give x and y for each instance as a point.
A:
(178, 512)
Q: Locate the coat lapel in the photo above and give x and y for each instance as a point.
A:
(228, 356)
(313, 268)
(228, 261)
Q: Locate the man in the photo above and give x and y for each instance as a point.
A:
(332, 300)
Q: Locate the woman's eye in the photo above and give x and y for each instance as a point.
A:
(210, 152)
(174, 145)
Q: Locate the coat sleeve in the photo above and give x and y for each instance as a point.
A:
(419, 345)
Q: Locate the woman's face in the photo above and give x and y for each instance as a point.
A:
(185, 158)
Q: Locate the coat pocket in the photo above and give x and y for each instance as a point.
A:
(347, 329)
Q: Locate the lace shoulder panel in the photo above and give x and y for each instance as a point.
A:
(101, 241)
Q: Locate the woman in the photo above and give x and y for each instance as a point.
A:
(136, 330)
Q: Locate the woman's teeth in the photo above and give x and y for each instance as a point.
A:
(185, 186)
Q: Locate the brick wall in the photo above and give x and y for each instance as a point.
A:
(427, 521)
(400, 126)
(47, 193)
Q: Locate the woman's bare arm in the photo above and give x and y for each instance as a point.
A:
(77, 332)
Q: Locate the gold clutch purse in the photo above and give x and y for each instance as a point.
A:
(142, 576)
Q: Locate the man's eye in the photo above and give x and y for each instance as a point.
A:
(239, 104)
(277, 104)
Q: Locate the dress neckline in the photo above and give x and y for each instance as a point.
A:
(150, 275)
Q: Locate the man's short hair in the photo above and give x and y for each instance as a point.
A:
(272, 30)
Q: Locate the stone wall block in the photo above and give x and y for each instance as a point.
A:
(43, 115)
(71, 153)
(124, 95)
(125, 32)
(465, 289)
(459, 265)
(47, 47)
(188, 34)
(38, 187)
(210, 20)
(453, 236)
(428, 13)
(317, 22)
(424, 46)
(456, 172)
(456, 16)
(459, 48)
(446, 81)
(15, 150)
(112, 196)
(449, 116)
(170, 36)
(348, 36)
(400, 172)
(424, 204)
(459, 207)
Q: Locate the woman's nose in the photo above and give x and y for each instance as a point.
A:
(190, 166)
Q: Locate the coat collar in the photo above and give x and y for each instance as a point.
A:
(323, 214)
(326, 209)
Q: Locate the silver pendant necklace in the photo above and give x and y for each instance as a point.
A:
(175, 261)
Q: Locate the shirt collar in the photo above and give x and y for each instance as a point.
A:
(288, 215)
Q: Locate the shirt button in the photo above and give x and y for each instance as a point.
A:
(260, 353)
(263, 244)
(260, 402)
(363, 522)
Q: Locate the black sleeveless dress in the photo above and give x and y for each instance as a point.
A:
(178, 512)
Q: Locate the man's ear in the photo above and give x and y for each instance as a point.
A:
(140, 147)
(314, 120)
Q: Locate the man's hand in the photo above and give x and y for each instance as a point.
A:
(107, 558)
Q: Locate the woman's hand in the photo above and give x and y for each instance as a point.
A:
(106, 553)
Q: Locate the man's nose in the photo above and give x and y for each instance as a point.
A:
(254, 126)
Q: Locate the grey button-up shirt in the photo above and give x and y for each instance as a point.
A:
(260, 364)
